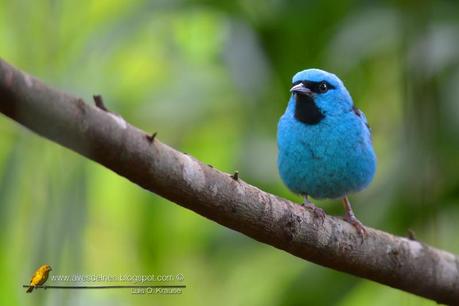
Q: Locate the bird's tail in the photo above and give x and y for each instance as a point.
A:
(29, 289)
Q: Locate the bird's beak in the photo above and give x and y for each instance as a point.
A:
(300, 89)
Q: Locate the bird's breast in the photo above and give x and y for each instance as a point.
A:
(325, 160)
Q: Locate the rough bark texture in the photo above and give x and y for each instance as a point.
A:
(109, 140)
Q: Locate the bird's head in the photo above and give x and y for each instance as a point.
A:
(317, 94)
(46, 268)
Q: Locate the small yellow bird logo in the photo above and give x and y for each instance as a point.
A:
(39, 277)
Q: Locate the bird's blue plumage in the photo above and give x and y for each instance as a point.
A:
(330, 155)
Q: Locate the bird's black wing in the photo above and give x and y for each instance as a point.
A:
(362, 117)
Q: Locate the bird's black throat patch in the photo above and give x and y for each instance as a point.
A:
(306, 109)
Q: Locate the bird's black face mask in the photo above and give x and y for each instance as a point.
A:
(306, 109)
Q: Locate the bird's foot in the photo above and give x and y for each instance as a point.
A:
(350, 218)
(318, 212)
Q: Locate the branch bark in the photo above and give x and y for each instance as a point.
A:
(109, 140)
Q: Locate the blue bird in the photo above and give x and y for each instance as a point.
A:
(324, 143)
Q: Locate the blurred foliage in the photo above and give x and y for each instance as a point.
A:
(212, 78)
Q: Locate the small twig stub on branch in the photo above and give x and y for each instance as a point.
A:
(100, 102)
(151, 137)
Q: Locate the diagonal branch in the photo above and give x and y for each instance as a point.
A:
(109, 140)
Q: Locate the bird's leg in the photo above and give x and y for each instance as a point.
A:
(318, 212)
(352, 219)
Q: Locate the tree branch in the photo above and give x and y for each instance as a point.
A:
(106, 138)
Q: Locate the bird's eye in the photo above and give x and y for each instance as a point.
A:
(323, 87)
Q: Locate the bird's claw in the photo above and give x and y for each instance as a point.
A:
(360, 228)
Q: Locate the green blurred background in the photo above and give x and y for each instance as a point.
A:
(213, 78)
